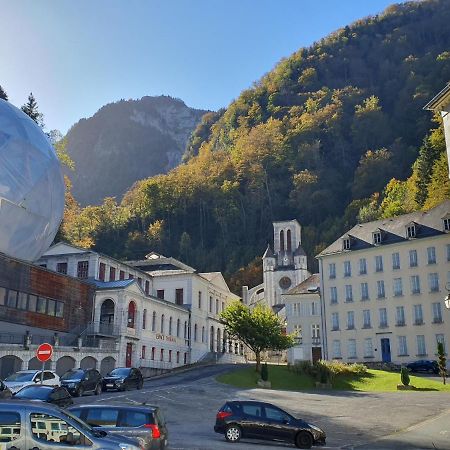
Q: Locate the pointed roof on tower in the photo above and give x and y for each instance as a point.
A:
(299, 251)
(269, 252)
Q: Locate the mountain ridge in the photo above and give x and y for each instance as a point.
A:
(126, 141)
(316, 139)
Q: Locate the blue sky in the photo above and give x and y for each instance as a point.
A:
(77, 55)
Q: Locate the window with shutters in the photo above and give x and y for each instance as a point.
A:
(179, 296)
(396, 261)
(102, 271)
(348, 293)
(62, 268)
(82, 269)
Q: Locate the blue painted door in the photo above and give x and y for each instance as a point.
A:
(385, 350)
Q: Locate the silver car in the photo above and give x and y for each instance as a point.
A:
(22, 378)
(145, 423)
(32, 425)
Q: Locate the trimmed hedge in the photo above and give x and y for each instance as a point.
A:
(326, 371)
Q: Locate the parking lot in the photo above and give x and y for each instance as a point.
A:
(190, 401)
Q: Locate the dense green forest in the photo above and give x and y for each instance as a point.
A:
(333, 134)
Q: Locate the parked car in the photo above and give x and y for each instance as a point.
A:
(423, 365)
(29, 424)
(58, 395)
(23, 378)
(123, 378)
(259, 420)
(81, 381)
(143, 422)
(5, 392)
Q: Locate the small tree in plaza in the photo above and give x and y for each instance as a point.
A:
(442, 361)
(258, 328)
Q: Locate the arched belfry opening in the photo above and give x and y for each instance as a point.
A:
(289, 242)
(282, 240)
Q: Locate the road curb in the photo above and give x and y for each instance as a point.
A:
(174, 372)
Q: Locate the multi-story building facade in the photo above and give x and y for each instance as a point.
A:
(161, 312)
(304, 320)
(38, 305)
(383, 285)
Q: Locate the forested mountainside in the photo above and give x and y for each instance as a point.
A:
(317, 139)
(127, 141)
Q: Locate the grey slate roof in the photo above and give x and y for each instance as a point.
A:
(113, 284)
(299, 251)
(306, 286)
(429, 223)
(150, 265)
(269, 252)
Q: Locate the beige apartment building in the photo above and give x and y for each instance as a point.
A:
(304, 320)
(383, 284)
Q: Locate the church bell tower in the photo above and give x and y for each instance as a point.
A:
(286, 265)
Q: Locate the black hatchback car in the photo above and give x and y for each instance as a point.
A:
(123, 378)
(259, 420)
(57, 395)
(143, 422)
(80, 381)
(423, 365)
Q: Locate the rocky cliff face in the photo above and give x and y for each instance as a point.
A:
(125, 142)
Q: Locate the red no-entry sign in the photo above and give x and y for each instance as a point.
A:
(44, 352)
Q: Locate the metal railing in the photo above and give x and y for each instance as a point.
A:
(57, 341)
(102, 328)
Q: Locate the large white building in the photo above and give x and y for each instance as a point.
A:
(283, 267)
(161, 312)
(383, 285)
(304, 320)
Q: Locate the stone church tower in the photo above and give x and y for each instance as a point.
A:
(285, 266)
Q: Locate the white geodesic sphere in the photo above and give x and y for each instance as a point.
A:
(31, 186)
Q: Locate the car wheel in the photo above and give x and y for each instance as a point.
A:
(140, 384)
(98, 389)
(304, 440)
(79, 391)
(233, 433)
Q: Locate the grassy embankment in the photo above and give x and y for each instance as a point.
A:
(372, 381)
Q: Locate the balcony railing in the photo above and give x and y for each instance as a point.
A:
(57, 340)
(102, 329)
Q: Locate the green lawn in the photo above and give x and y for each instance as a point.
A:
(373, 381)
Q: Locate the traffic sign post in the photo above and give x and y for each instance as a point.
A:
(43, 353)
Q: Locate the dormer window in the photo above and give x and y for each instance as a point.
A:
(377, 237)
(411, 231)
(446, 224)
(346, 243)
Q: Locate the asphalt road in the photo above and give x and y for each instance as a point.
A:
(352, 420)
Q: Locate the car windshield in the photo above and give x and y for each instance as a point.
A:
(21, 376)
(120, 372)
(80, 424)
(34, 392)
(73, 375)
